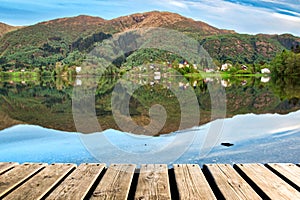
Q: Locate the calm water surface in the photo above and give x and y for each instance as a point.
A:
(260, 120)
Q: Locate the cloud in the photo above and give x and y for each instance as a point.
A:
(170, 4)
(16, 16)
(179, 4)
(288, 12)
(244, 18)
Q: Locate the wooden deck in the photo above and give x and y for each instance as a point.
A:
(124, 181)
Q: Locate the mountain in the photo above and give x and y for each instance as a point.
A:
(245, 48)
(68, 39)
(7, 121)
(48, 103)
(48, 42)
(4, 28)
(165, 20)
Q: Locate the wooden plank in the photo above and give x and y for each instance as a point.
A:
(153, 182)
(77, 185)
(17, 175)
(268, 184)
(40, 184)
(6, 166)
(116, 182)
(289, 171)
(191, 182)
(229, 183)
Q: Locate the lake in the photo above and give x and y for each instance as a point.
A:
(107, 119)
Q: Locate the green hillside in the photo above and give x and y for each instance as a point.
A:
(67, 40)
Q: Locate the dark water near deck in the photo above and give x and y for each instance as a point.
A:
(261, 120)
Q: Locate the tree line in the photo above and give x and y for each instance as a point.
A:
(287, 63)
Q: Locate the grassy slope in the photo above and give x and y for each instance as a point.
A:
(48, 42)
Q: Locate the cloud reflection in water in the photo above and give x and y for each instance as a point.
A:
(256, 138)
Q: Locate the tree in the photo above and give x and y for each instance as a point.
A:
(286, 64)
(58, 68)
(3, 60)
(296, 49)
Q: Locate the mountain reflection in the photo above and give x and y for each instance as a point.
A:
(48, 102)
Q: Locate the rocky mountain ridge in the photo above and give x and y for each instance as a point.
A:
(67, 39)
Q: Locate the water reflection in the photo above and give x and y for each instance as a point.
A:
(48, 102)
(255, 138)
(265, 79)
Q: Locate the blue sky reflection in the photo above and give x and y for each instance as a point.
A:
(256, 138)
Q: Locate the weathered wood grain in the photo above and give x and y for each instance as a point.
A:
(6, 166)
(230, 184)
(267, 182)
(116, 182)
(289, 171)
(41, 183)
(17, 175)
(191, 182)
(65, 181)
(153, 183)
(77, 185)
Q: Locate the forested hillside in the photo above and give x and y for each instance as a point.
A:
(65, 42)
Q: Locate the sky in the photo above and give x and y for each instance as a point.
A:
(243, 16)
(261, 141)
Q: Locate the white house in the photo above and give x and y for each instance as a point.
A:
(156, 75)
(195, 84)
(195, 66)
(78, 82)
(181, 66)
(225, 83)
(226, 66)
(209, 70)
(180, 85)
(208, 80)
(244, 67)
(265, 79)
(78, 69)
(265, 71)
